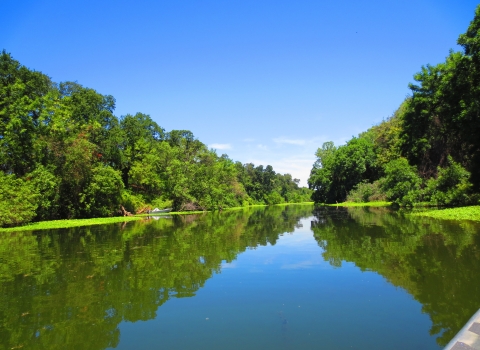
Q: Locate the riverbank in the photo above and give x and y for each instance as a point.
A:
(363, 204)
(55, 224)
(463, 213)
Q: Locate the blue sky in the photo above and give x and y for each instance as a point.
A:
(263, 81)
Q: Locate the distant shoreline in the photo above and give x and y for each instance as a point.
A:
(69, 223)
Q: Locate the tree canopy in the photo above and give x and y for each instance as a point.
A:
(435, 128)
(64, 154)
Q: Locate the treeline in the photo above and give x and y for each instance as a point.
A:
(428, 151)
(64, 154)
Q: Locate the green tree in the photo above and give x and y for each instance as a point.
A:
(401, 182)
(18, 201)
(338, 170)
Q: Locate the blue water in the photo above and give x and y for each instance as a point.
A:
(286, 296)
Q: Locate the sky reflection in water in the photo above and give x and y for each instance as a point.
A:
(263, 278)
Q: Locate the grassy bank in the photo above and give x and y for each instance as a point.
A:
(54, 224)
(47, 225)
(463, 213)
(366, 204)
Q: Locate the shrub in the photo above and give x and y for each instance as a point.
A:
(451, 187)
(102, 197)
(18, 201)
(401, 183)
(47, 186)
(366, 192)
(132, 202)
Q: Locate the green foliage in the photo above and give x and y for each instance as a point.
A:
(69, 223)
(162, 203)
(18, 201)
(263, 186)
(46, 184)
(465, 213)
(338, 170)
(102, 196)
(401, 182)
(366, 192)
(435, 126)
(451, 187)
(132, 202)
(386, 137)
(66, 143)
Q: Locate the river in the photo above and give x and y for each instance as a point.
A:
(281, 277)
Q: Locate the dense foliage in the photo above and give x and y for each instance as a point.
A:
(64, 154)
(428, 151)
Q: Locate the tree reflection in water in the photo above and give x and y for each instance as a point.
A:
(436, 261)
(71, 288)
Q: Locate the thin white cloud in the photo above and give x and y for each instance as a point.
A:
(281, 140)
(226, 265)
(262, 147)
(248, 140)
(220, 146)
(300, 265)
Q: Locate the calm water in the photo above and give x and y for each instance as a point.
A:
(269, 278)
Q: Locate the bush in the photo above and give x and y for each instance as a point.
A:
(132, 202)
(273, 198)
(401, 183)
(18, 201)
(366, 192)
(451, 187)
(162, 203)
(47, 186)
(102, 197)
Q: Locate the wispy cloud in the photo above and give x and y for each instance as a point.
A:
(220, 146)
(231, 265)
(262, 147)
(300, 265)
(281, 140)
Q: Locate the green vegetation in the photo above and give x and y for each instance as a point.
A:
(427, 152)
(54, 224)
(361, 204)
(464, 213)
(65, 155)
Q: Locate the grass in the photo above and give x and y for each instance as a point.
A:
(47, 225)
(366, 204)
(462, 213)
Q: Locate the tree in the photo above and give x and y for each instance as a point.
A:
(401, 182)
(18, 201)
(338, 170)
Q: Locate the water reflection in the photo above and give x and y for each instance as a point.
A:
(437, 262)
(72, 288)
